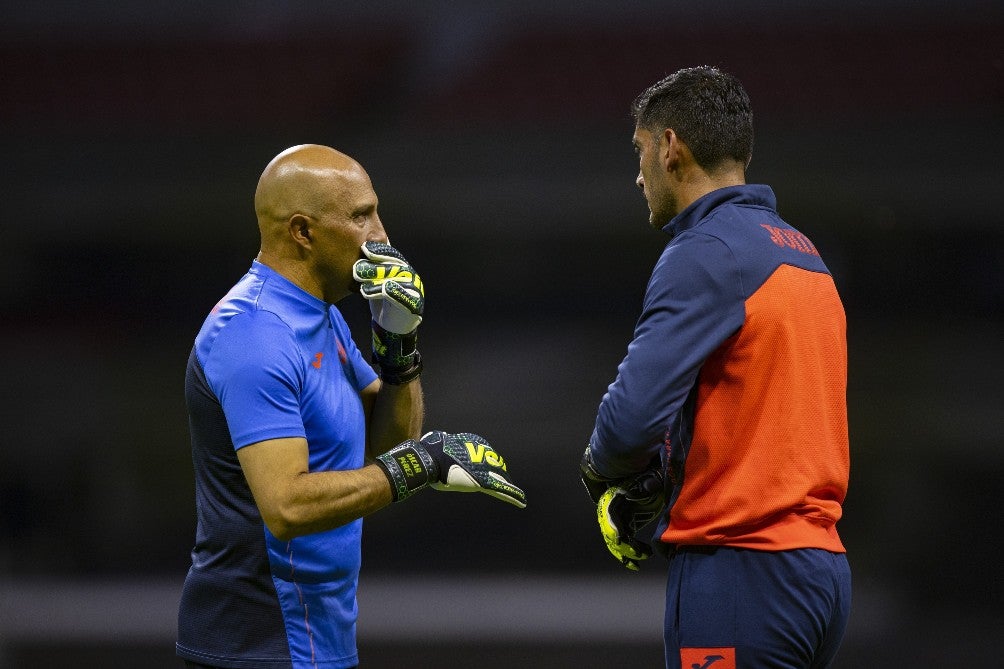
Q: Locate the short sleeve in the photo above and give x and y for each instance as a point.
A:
(254, 371)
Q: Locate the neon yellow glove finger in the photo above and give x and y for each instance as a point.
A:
(617, 538)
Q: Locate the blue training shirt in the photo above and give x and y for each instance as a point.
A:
(271, 361)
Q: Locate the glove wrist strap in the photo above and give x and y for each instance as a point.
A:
(408, 467)
(595, 483)
(399, 359)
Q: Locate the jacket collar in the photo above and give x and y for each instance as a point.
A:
(750, 194)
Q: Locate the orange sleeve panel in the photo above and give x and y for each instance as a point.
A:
(768, 464)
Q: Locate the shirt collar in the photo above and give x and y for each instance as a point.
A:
(753, 194)
(287, 287)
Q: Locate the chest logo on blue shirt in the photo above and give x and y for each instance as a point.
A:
(342, 356)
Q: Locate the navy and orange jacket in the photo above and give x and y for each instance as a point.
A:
(736, 379)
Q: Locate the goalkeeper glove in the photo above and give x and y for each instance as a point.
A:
(397, 300)
(596, 484)
(624, 509)
(397, 355)
(392, 287)
(462, 462)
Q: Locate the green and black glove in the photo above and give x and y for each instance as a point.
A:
(392, 287)
(624, 507)
(623, 511)
(461, 462)
(396, 297)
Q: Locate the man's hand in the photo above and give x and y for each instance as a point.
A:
(392, 287)
(462, 462)
(397, 300)
(624, 509)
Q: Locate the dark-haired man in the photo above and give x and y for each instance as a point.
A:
(727, 420)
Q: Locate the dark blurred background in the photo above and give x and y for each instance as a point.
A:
(497, 136)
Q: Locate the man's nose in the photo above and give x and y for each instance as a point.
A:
(640, 181)
(377, 233)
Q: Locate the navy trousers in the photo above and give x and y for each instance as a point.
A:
(729, 607)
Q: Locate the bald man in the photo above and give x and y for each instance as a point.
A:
(295, 437)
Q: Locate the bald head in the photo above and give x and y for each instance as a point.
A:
(306, 179)
(315, 208)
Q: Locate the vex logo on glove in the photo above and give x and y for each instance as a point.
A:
(482, 453)
(400, 274)
(393, 288)
(463, 462)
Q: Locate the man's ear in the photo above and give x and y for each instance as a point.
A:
(672, 151)
(299, 230)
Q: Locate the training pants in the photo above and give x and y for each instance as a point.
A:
(729, 607)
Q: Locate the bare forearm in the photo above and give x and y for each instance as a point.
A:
(398, 414)
(320, 501)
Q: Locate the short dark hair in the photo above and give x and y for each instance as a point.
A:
(707, 108)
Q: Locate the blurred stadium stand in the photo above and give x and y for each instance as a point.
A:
(498, 138)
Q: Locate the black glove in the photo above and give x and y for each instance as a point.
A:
(397, 355)
(462, 462)
(596, 484)
(626, 508)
